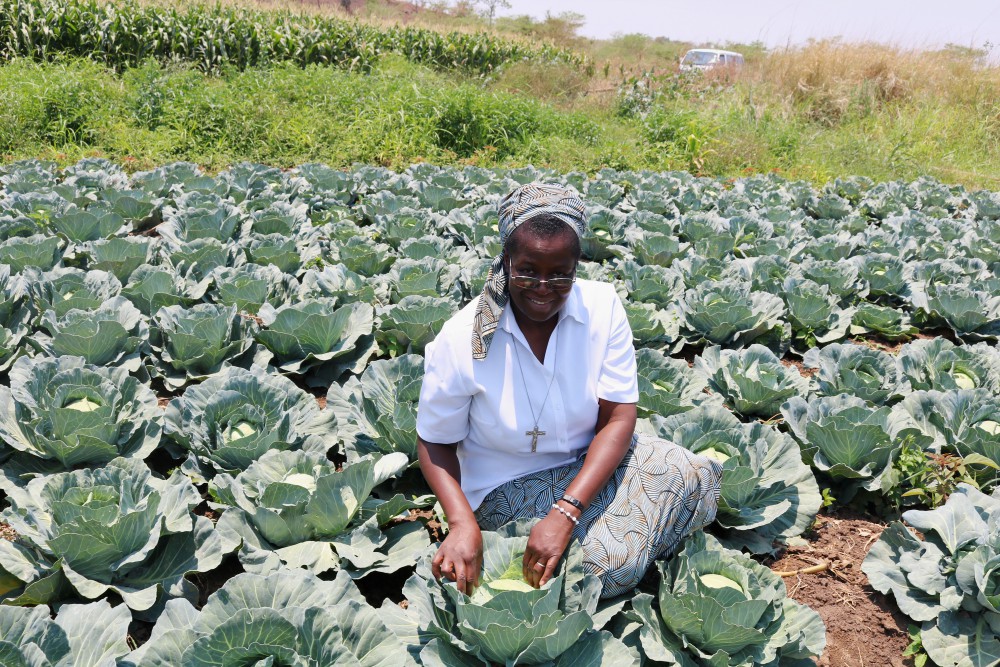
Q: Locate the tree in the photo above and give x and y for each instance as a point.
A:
(488, 8)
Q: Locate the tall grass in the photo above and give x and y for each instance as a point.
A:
(398, 114)
(832, 79)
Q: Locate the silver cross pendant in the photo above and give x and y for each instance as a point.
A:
(534, 437)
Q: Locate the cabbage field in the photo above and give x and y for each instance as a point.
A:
(208, 388)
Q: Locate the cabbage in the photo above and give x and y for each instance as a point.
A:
(295, 509)
(506, 621)
(718, 607)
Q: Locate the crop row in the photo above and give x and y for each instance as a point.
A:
(228, 297)
(123, 34)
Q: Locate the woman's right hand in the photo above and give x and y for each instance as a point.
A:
(460, 556)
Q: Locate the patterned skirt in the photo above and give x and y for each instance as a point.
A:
(659, 494)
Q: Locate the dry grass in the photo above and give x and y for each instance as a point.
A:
(833, 78)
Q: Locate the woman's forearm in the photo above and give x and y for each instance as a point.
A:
(615, 426)
(439, 465)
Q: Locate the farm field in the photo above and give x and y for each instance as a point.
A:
(209, 388)
(228, 232)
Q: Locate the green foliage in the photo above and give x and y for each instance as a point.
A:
(234, 417)
(80, 634)
(915, 649)
(287, 617)
(296, 509)
(62, 413)
(948, 578)
(768, 494)
(113, 529)
(214, 36)
(718, 607)
(927, 478)
(506, 624)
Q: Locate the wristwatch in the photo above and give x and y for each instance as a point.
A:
(572, 501)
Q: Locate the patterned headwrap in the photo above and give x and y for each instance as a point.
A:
(524, 203)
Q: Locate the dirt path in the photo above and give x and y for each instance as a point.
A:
(863, 628)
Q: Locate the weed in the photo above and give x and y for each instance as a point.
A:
(915, 649)
(927, 478)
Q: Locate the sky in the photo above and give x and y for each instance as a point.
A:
(906, 23)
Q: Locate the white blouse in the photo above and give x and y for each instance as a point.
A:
(484, 408)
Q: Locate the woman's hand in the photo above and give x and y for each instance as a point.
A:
(460, 556)
(546, 545)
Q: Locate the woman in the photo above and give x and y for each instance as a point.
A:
(528, 410)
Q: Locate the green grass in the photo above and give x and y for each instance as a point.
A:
(401, 113)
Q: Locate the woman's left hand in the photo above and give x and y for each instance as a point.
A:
(546, 544)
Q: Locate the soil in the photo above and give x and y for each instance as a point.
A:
(797, 364)
(863, 627)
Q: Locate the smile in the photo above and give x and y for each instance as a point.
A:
(537, 302)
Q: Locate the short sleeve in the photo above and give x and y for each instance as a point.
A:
(618, 381)
(443, 410)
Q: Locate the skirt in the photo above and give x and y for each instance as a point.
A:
(659, 494)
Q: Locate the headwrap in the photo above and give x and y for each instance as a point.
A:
(524, 203)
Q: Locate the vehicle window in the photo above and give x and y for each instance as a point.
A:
(699, 58)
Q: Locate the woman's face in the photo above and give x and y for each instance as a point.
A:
(542, 258)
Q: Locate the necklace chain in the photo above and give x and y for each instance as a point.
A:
(534, 432)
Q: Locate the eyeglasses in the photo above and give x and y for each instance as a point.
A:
(555, 284)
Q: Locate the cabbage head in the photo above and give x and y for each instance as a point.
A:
(729, 314)
(153, 287)
(97, 222)
(653, 284)
(652, 248)
(287, 252)
(81, 635)
(884, 274)
(250, 286)
(651, 325)
(364, 257)
(840, 277)
(816, 314)
(62, 413)
(960, 421)
(200, 259)
(111, 529)
(63, 289)
(287, 617)
(753, 382)
(231, 419)
(949, 579)
(38, 250)
(505, 621)
(970, 313)
(295, 509)
(940, 364)
(719, 608)
(317, 340)
(119, 256)
(768, 494)
(849, 440)
(431, 276)
(871, 375)
(667, 386)
(890, 323)
(189, 344)
(338, 282)
(199, 216)
(428, 247)
(377, 412)
(113, 334)
(408, 326)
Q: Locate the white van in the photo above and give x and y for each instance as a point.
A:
(706, 59)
